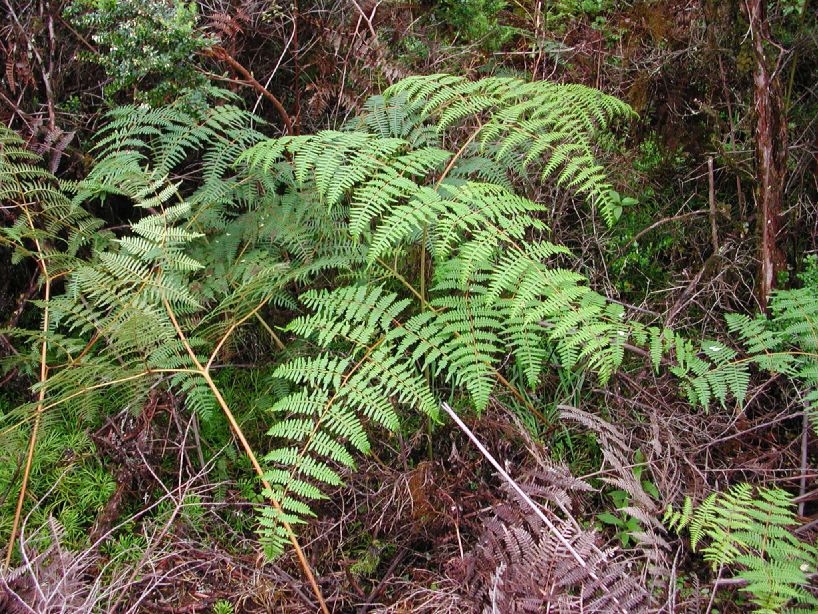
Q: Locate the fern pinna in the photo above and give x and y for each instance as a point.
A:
(783, 342)
(535, 129)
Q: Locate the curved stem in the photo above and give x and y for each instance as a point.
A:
(204, 371)
(220, 53)
(32, 442)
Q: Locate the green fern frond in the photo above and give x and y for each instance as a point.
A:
(230, 223)
(749, 529)
(520, 124)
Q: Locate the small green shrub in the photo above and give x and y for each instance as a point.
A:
(142, 43)
(223, 606)
(476, 21)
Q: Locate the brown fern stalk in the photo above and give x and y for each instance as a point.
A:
(32, 442)
(221, 54)
(204, 371)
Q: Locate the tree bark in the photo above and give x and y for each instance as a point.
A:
(771, 150)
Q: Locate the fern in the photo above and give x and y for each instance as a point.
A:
(520, 565)
(434, 271)
(109, 338)
(48, 227)
(325, 419)
(748, 529)
(227, 223)
(41, 209)
(492, 289)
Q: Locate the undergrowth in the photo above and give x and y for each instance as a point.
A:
(384, 269)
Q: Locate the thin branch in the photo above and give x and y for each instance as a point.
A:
(666, 220)
(711, 181)
(219, 53)
(230, 331)
(367, 19)
(32, 442)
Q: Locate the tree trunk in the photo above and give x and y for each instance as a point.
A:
(771, 150)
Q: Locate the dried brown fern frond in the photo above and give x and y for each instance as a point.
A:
(519, 565)
(534, 556)
(48, 582)
(617, 452)
(619, 455)
(224, 26)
